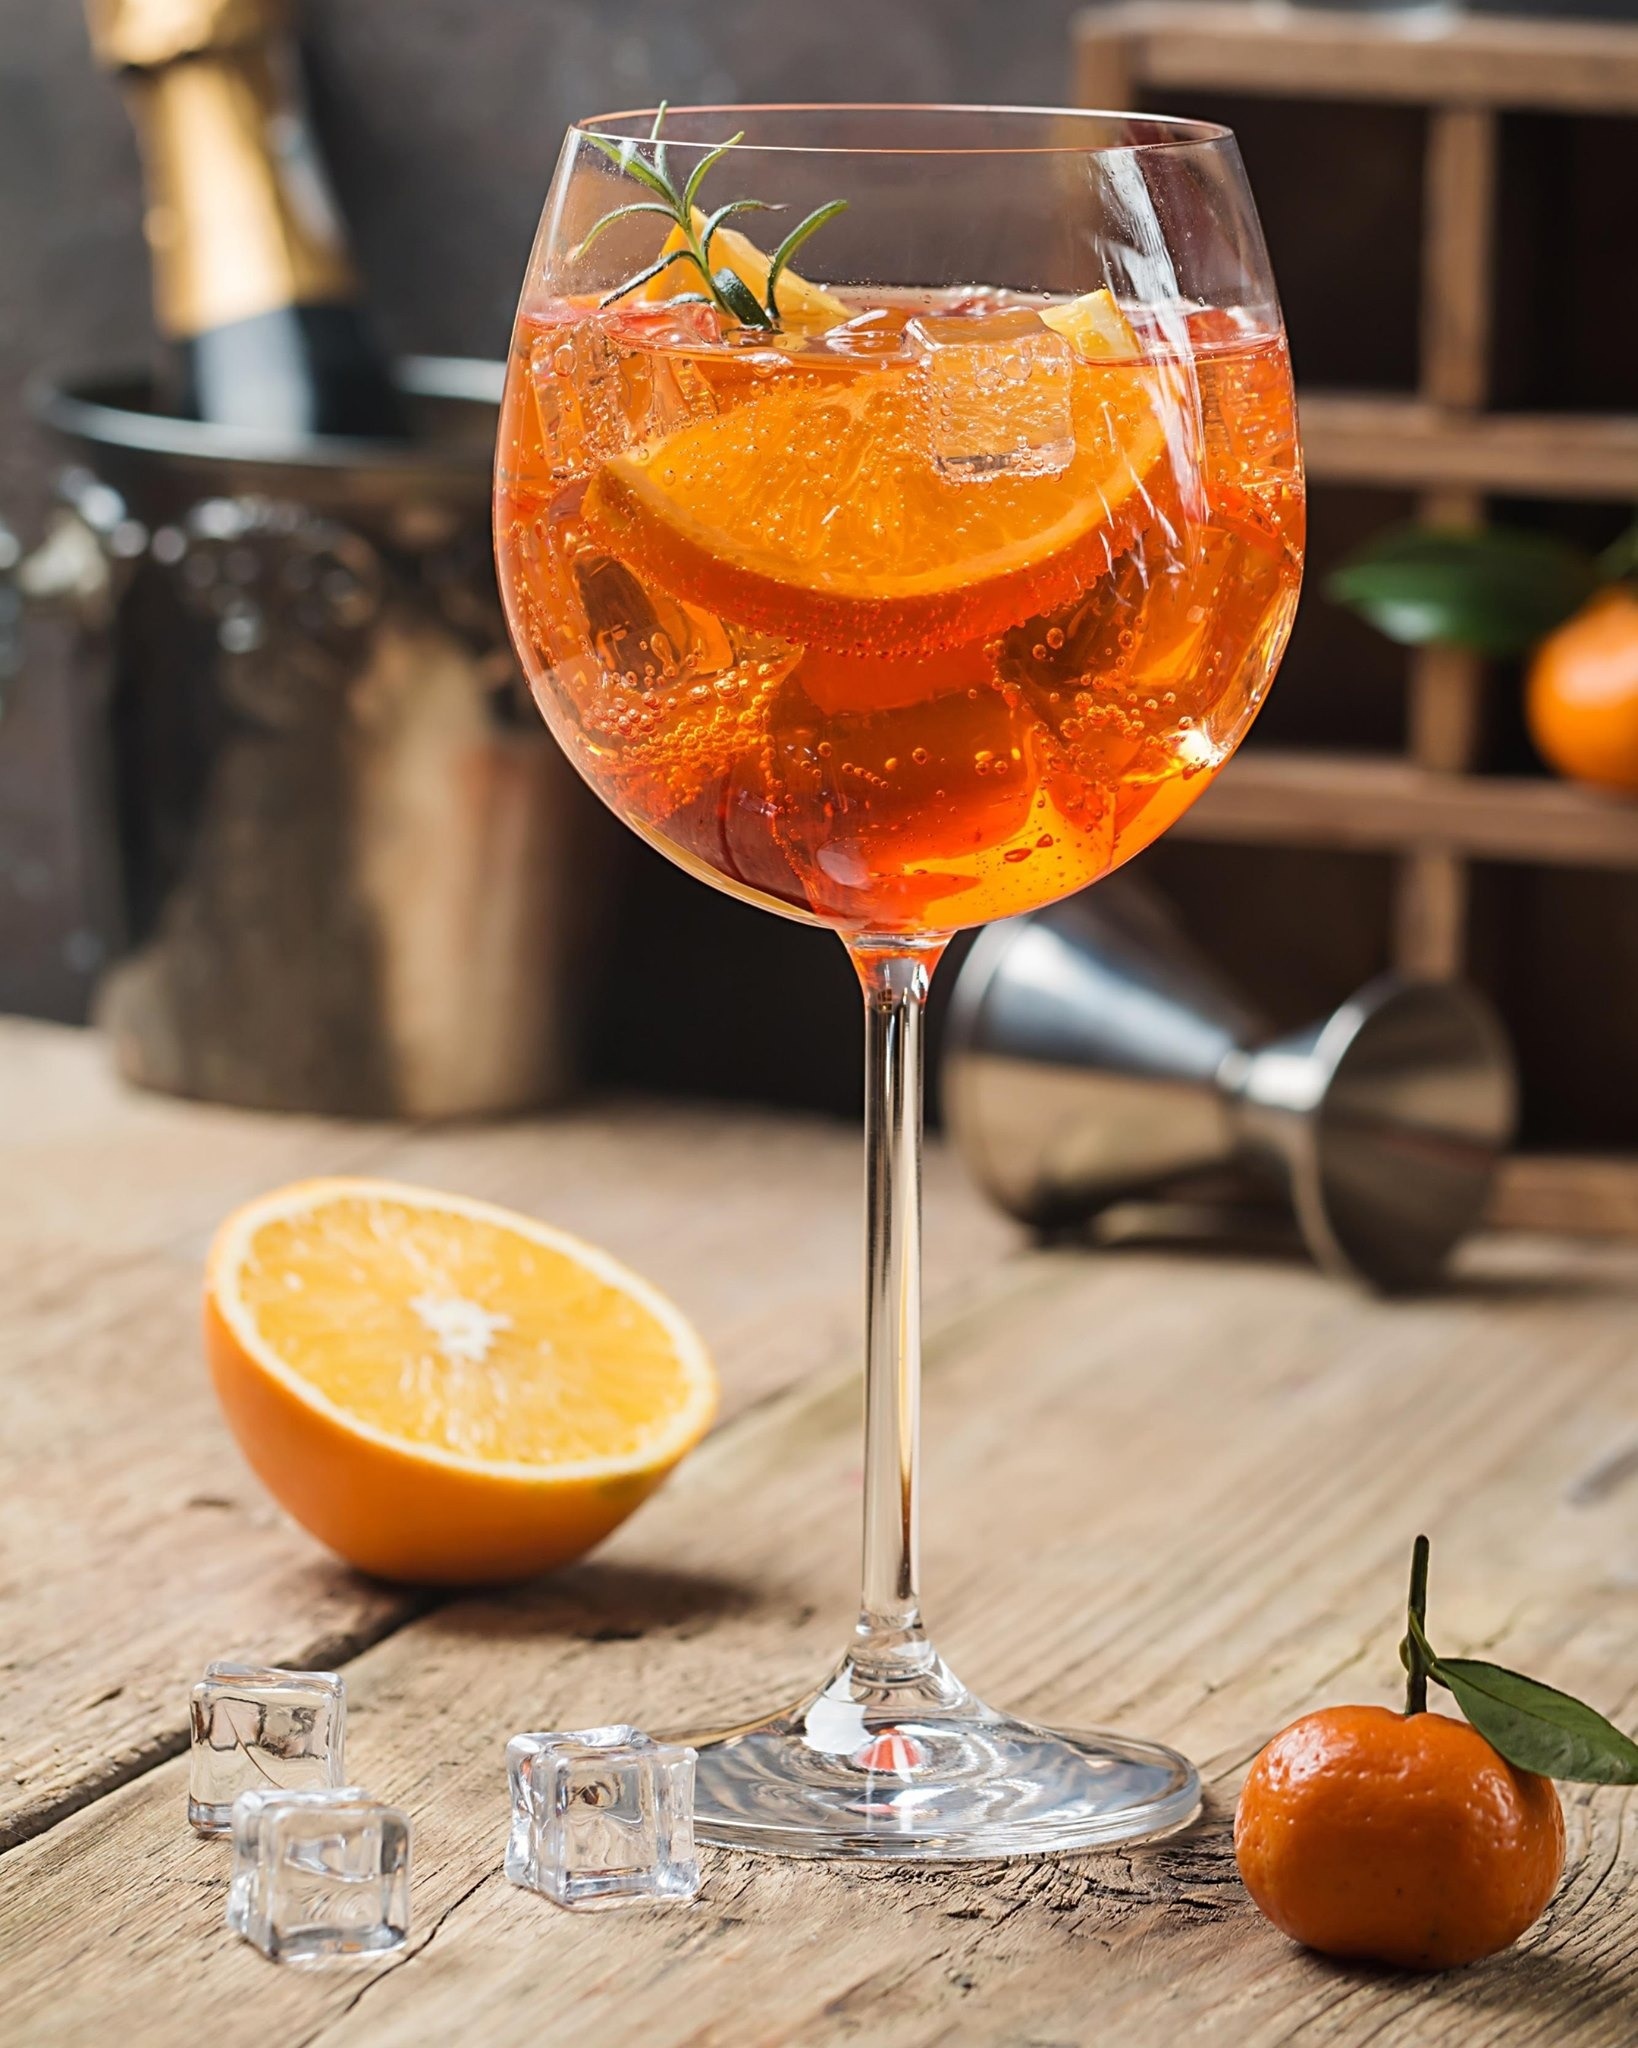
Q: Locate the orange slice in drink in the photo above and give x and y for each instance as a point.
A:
(1094, 324)
(819, 509)
(442, 1390)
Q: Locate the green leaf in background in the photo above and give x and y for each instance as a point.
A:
(1497, 590)
(1537, 1727)
(1619, 561)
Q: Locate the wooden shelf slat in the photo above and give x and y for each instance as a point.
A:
(1379, 804)
(1277, 51)
(1407, 443)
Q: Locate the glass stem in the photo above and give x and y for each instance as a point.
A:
(889, 1636)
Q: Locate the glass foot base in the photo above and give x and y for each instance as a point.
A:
(901, 1763)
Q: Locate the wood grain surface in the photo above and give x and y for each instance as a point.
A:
(1171, 1494)
(134, 1544)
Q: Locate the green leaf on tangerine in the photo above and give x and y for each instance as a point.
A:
(1537, 1727)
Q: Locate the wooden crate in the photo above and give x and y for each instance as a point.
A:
(1431, 810)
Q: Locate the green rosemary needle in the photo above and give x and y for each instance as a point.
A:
(724, 287)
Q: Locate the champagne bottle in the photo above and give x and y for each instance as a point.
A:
(254, 290)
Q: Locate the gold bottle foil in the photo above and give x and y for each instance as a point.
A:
(239, 218)
(150, 32)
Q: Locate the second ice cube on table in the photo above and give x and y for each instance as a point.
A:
(319, 1874)
(259, 1726)
(1001, 390)
(602, 1816)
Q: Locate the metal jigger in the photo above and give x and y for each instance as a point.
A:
(1092, 1057)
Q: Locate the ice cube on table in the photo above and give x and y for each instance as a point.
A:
(260, 1726)
(602, 1817)
(1001, 393)
(319, 1874)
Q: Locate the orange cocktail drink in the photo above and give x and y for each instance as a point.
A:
(926, 609)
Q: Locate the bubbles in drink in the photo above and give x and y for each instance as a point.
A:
(906, 622)
(864, 793)
(612, 380)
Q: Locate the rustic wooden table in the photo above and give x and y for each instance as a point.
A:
(1173, 1494)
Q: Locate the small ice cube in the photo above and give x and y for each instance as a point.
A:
(1001, 388)
(876, 336)
(667, 323)
(602, 1817)
(609, 381)
(319, 1874)
(259, 1726)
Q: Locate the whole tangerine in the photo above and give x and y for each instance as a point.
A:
(1581, 696)
(1397, 1838)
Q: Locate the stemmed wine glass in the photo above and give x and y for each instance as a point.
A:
(900, 518)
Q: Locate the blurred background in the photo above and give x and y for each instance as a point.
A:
(441, 123)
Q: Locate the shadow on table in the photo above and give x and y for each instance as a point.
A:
(1501, 1270)
(1542, 1982)
(1525, 1287)
(598, 1603)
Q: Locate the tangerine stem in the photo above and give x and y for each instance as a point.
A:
(1416, 1685)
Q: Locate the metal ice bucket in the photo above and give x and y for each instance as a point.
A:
(1091, 1056)
(351, 871)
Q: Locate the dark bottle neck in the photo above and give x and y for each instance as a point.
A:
(294, 371)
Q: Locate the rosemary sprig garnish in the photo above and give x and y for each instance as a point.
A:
(724, 287)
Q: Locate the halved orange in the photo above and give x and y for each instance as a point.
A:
(818, 510)
(440, 1389)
